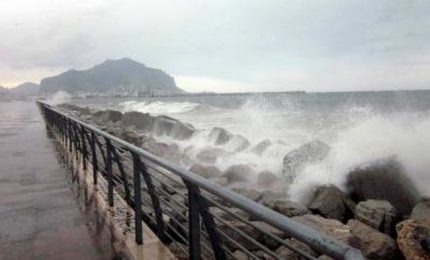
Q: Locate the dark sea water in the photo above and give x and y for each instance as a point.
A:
(359, 127)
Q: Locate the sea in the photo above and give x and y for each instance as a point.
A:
(360, 127)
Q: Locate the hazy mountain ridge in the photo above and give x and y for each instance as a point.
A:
(123, 75)
(26, 88)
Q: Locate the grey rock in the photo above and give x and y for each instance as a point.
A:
(285, 207)
(80, 110)
(309, 153)
(205, 171)
(286, 253)
(131, 137)
(330, 227)
(266, 239)
(378, 214)
(139, 120)
(236, 236)
(411, 237)
(161, 149)
(249, 193)
(421, 211)
(384, 179)
(372, 243)
(271, 195)
(210, 155)
(107, 115)
(237, 143)
(238, 173)
(219, 136)
(261, 147)
(240, 255)
(330, 202)
(266, 178)
(163, 125)
(228, 216)
(182, 131)
(221, 181)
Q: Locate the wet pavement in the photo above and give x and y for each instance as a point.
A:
(39, 214)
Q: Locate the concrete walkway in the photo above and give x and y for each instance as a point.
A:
(39, 214)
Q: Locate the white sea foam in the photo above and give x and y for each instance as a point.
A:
(357, 134)
(158, 107)
(58, 98)
(406, 136)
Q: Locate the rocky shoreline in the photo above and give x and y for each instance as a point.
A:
(382, 213)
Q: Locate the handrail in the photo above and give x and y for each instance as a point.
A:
(317, 241)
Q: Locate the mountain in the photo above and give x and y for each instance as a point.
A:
(113, 76)
(25, 89)
(3, 90)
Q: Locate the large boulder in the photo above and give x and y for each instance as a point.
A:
(79, 110)
(286, 253)
(384, 179)
(163, 125)
(373, 244)
(266, 239)
(107, 115)
(240, 255)
(210, 155)
(219, 136)
(330, 202)
(205, 171)
(228, 216)
(230, 229)
(261, 147)
(379, 214)
(139, 120)
(309, 153)
(238, 173)
(161, 149)
(182, 131)
(330, 227)
(413, 239)
(421, 211)
(131, 137)
(237, 143)
(286, 207)
(266, 178)
(248, 192)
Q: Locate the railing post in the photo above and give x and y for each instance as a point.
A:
(69, 127)
(123, 175)
(94, 157)
(137, 198)
(155, 202)
(84, 148)
(76, 140)
(109, 171)
(210, 226)
(193, 221)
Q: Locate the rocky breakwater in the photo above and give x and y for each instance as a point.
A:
(380, 211)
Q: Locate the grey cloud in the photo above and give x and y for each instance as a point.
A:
(238, 40)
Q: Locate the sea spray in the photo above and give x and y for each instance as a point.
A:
(404, 135)
(157, 107)
(59, 98)
(359, 127)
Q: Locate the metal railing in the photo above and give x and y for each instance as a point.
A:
(194, 216)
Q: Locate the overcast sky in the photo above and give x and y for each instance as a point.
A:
(225, 45)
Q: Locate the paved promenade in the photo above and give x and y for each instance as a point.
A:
(39, 214)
